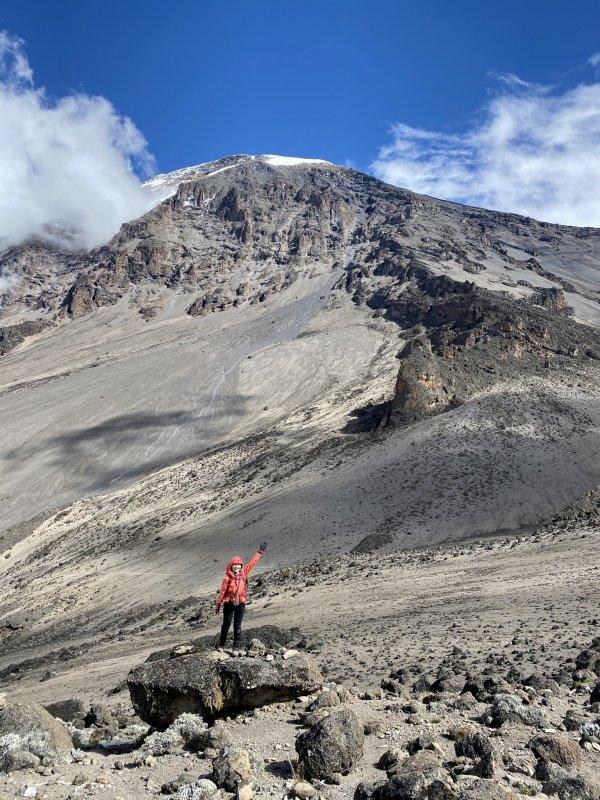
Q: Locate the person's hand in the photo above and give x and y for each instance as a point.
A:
(217, 609)
(263, 547)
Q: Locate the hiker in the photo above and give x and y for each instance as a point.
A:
(234, 594)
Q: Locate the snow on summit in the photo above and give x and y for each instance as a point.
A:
(166, 184)
(291, 161)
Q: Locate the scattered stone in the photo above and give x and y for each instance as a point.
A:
(99, 715)
(245, 792)
(198, 790)
(303, 790)
(556, 749)
(508, 708)
(234, 767)
(418, 777)
(181, 781)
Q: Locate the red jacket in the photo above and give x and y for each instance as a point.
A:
(234, 588)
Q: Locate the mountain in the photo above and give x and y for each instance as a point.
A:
(286, 349)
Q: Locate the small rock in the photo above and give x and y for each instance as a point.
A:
(303, 790)
(234, 767)
(245, 792)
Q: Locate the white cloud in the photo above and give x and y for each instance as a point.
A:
(594, 59)
(534, 150)
(67, 165)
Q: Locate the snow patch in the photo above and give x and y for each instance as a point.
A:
(291, 161)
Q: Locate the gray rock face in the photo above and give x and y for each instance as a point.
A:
(333, 745)
(242, 229)
(162, 690)
(486, 790)
(27, 729)
(12, 335)
(508, 708)
(419, 777)
(557, 749)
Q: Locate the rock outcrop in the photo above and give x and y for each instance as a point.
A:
(161, 690)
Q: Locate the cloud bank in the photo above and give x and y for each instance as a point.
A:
(67, 166)
(534, 150)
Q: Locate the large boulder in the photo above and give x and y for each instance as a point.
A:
(420, 777)
(333, 745)
(162, 690)
(590, 657)
(28, 732)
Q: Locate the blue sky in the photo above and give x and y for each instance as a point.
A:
(207, 79)
(493, 104)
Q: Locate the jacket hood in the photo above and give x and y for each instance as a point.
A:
(234, 560)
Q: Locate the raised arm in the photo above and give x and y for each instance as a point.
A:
(254, 560)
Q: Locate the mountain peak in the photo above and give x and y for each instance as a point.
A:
(166, 184)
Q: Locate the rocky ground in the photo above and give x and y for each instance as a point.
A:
(422, 641)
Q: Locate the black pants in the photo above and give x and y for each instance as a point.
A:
(235, 613)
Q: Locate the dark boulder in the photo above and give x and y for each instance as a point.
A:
(420, 777)
(162, 690)
(333, 745)
(68, 710)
